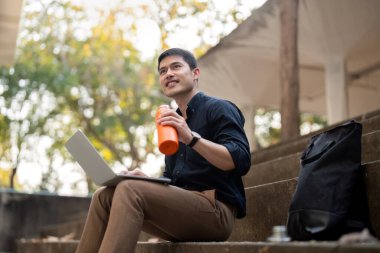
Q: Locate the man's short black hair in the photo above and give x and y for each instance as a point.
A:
(186, 55)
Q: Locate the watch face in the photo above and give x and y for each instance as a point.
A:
(195, 134)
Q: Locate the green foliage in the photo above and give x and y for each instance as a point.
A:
(311, 122)
(4, 136)
(62, 83)
(4, 179)
(76, 71)
(268, 126)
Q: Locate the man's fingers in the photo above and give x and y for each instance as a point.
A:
(136, 172)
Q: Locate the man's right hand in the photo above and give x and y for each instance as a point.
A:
(135, 172)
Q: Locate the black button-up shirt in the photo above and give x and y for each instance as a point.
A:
(219, 121)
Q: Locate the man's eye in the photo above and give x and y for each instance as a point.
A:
(161, 72)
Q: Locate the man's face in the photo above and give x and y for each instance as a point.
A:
(176, 77)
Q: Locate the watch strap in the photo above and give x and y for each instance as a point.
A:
(193, 141)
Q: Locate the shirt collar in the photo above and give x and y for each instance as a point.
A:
(193, 104)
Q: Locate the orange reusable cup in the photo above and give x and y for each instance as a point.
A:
(167, 136)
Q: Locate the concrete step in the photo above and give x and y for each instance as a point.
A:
(255, 247)
(372, 179)
(73, 227)
(371, 147)
(214, 247)
(278, 169)
(370, 123)
(280, 150)
(22, 215)
(268, 204)
(40, 246)
(286, 167)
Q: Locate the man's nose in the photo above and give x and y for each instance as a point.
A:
(169, 73)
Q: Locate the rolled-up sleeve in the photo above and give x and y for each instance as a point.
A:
(228, 130)
(240, 156)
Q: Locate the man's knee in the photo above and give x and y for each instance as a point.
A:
(136, 189)
(130, 185)
(103, 195)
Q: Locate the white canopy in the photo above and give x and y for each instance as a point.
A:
(10, 12)
(338, 40)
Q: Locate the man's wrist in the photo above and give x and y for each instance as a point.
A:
(194, 140)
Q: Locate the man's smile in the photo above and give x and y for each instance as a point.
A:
(171, 83)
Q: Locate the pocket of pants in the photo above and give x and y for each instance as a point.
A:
(207, 202)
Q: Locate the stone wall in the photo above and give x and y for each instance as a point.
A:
(24, 215)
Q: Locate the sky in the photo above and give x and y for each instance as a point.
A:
(148, 39)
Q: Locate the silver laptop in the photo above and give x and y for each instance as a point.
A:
(95, 166)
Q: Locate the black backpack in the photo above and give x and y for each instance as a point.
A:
(330, 197)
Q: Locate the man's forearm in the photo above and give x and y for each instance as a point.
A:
(216, 154)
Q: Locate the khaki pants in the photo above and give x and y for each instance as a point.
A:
(117, 215)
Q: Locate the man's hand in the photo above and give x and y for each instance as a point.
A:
(135, 172)
(171, 118)
(216, 154)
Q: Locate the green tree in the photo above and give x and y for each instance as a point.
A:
(23, 115)
(5, 149)
(268, 125)
(76, 71)
(98, 81)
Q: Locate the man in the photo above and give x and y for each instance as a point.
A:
(206, 194)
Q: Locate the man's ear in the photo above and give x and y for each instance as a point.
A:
(196, 73)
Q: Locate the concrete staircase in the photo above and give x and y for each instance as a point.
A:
(269, 188)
